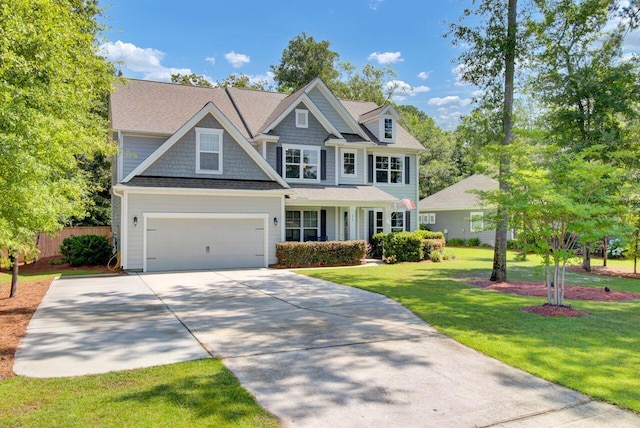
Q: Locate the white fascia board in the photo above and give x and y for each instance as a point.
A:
(201, 192)
(345, 144)
(148, 134)
(304, 99)
(380, 150)
(262, 138)
(337, 105)
(433, 210)
(334, 203)
(209, 108)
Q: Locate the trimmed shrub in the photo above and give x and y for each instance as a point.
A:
(474, 242)
(376, 245)
(405, 246)
(431, 245)
(426, 234)
(457, 242)
(314, 254)
(86, 250)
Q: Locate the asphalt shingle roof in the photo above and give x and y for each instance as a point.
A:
(342, 193)
(202, 183)
(456, 196)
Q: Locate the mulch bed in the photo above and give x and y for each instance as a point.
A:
(606, 271)
(548, 310)
(16, 312)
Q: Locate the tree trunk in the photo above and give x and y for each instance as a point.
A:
(14, 275)
(499, 271)
(549, 283)
(604, 251)
(586, 257)
(635, 255)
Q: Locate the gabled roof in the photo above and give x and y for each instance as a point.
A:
(456, 196)
(377, 112)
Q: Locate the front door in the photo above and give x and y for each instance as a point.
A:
(376, 222)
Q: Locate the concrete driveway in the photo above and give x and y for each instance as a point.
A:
(314, 353)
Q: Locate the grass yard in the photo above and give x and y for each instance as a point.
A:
(598, 355)
(200, 393)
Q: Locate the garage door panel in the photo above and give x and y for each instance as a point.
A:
(196, 243)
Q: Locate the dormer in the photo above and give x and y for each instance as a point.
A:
(382, 122)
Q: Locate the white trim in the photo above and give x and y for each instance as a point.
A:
(337, 105)
(120, 171)
(317, 149)
(388, 182)
(264, 138)
(282, 220)
(302, 118)
(476, 214)
(264, 149)
(124, 221)
(206, 216)
(205, 192)
(209, 131)
(304, 99)
(209, 108)
(382, 128)
(301, 228)
(343, 152)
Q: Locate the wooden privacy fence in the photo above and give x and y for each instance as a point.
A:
(49, 246)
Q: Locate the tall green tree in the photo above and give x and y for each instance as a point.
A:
(191, 80)
(52, 86)
(303, 60)
(489, 63)
(589, 91)
(371, 84)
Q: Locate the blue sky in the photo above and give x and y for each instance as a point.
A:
(154, 38)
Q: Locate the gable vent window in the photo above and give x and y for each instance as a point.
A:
(302, 118)
(209, 151)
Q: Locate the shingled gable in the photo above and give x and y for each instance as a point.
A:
(209, 108)
(301, 95)
(459, 196)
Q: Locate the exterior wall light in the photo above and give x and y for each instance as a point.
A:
(275, 221)
(135, 220)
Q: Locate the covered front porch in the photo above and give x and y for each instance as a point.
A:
(340, 213)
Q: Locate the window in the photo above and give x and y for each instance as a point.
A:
(397, 221)
(379, 223)
(428, 218)
(477, 221)
(389, 169)
(388, 128)
(302, 118)
(301, 226)
(349, 162)
(209, 151)
(302, 163)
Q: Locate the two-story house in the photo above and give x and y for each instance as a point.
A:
(214, 178)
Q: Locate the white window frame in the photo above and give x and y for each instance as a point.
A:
(388, 170)
(209, 131)
(302, 118)
(301, 178)
(396, 219)
(301, 228)
(475, 217)
(355, 162)
(428, 218)
(383, 134)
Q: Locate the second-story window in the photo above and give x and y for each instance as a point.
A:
(389, 169)
(209, 151)
(349, 162)
(388, 128)
(302, 163)
(302, 118)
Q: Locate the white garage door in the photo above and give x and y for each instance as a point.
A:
(197, 243)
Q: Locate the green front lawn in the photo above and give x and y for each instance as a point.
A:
(200, 393)
(598, 355)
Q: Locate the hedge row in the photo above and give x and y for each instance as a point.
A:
(310, 254)
(86, 250)
(407, 246)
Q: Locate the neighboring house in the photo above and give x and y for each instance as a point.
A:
(214, 178)
(458, 213)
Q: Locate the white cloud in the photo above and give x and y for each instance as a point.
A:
(386, 57)
(211, 60)
(423, 75)
(237, 60)
(267, 77)
(402, 90)
(450, 101)
(373, 4)
(147, 61)
(457, 71)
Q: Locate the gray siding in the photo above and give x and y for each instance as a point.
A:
(136, 149)
(330, 113)
(458, 225)
(360, 168)
(314, 135)
(374, 127)
(180, 160)
(138, 204)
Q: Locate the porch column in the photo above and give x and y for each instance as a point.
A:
(352, 222)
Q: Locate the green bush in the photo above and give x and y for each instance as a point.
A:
(447, 255)
(425, 234)
(514, 244)
(457, 242)
(405, 246)
(435, 257)
(423, 227)
(310, 254)
(474, 242)
(86, 250)
(377, 245)
(431, 245)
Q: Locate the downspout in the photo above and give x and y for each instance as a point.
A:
(123, 230)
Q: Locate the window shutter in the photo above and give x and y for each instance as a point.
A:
(407, 221)
(371, 224)
(323, 225)
(370, 168)
(407, 170)
(279, 160)
(323, 165)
